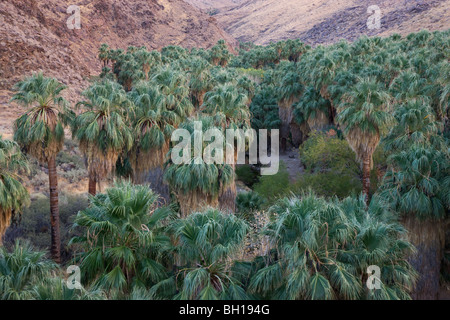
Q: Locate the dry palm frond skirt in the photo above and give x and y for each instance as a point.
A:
(195, 201)
(100, 164)
(288, 124)
(143, 161)
(362, 144)
(319, 122)
(5, 222)
(44, 151)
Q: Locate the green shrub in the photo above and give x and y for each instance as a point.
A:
(247, 203)
(322, 152)
(34, 224)
(332, 168)
(247, 175)
(328, 184)
(274, 186)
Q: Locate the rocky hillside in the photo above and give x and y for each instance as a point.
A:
(326, 21)
(34, 36)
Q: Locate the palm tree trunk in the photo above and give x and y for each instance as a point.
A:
(155, 178)
(54, 210)
(429, 239)
(227, 199)
(366, 177)
(92, 185)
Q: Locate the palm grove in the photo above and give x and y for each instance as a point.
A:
(183, 237)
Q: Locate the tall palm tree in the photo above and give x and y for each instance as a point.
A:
(364, 116)
(195, 182)
(289, 92)
(417, 186)
(229, 109)
(200, 80)
(40, 132)
(153, 124)
(13, 194)
(174, 86)
(102, 130)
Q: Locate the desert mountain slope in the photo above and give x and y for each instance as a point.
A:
(327, 21)
(34, 36)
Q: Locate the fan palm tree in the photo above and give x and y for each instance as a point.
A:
(322, 250)
(103, 54)
(219, 54)
(40, 133)
(312, 109)
(417, 186)
(206, 242)
(153, 125)
(102, 130)
(13, 194)
(21, 269)
(175, 88)
(122, 239)
(364, 116)
(230, 111)
(195, 182)
(200, 80)
(289, 92)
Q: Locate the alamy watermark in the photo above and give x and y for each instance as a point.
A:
(374, 20)
(214, 151)
(74, 21)
(373, 281)
(74, 279)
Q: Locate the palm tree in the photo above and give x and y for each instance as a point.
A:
(153, 125)
(206, 241)
(364, 116)
(313, 110)
(195, 182)
(417, 186)
(219, 54)
(321, 250)
(122, 239)
(39, 132)
(13, 194)
(289, 92)
(175, 88)
(230, 111)
(200, 80)
(21, 270)
(102, 130)
(103, 54)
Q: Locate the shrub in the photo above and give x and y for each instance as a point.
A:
(247, 203)
(34, 224)
(274, 186)
(246, 174)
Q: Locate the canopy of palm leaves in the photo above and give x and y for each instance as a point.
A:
(153, 125)
(198, 183)
(364, 116)
(20, 269)
(174, 86)
(323, 249)
(102, 129)
(39, 131)
(122, 239)
(13, 194)
(206, 244)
